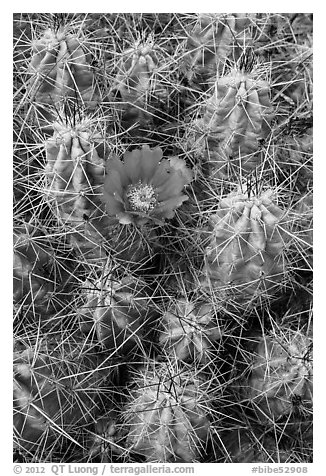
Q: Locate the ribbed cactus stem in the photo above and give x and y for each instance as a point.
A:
(138, 83)
(60, 67)
(53, 393)
(246, 253)
(281, 375)
(167, 416)
(118, 310)
(236, 119)
(32, 266)
(189, 330)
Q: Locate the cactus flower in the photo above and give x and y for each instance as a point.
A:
(143, 187)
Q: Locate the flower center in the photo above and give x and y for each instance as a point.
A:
(141, 197)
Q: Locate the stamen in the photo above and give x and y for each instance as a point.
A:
(142, 197)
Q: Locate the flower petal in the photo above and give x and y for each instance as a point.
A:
(132, 165)
(114, 164)
(112, 205)
(171, 188)
(180, 165)
(161, 174)
(169, 205)
(149, 162)
(113, 183)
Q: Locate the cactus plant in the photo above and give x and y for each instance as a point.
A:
(245, 256)
(31, 279)
(118, 310)
(75, 169)
(189, 330)
(209, 43)
(75, 173)
(217, 40)
(236, 118)
(55, 389)
(167, 417)
(138, 83)
(60, 67)
(242, 447)
(280, 375)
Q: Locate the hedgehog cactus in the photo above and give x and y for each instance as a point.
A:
(243, 447)
(53, 393)
(75, 170)
(246, 251)
(189, 330)
(236, 118)
(118, 310)
(76, 161)
(60, 67)
(138, 84)
(167, 416)
(210, 42)
(32, 284)
(280, 375)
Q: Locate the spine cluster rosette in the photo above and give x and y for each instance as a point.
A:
(60, 68)
(118, 311)
(138, 84)
(54, 393)
(167, 415)
(189, 331)
(236, 119)
(280, 376)
(245, 255)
